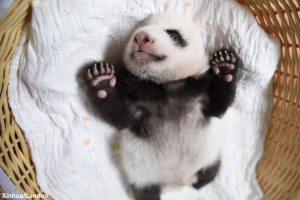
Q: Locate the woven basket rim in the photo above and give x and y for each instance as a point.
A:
(278, 171)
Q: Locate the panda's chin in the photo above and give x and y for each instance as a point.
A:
(146, 71)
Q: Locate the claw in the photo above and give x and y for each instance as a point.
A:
(233, 60)
(107, 69)
(227, 57)
(95, 70)
(112, 70)
(102, 69)
(89, 74)
(216, 58)
(221, 56)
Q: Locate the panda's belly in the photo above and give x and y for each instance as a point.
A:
(175, 153)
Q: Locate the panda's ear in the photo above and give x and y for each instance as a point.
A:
(177, 38)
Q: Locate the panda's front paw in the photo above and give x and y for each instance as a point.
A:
(99, 73)
(223, 64)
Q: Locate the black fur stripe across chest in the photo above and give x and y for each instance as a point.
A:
(139, 89)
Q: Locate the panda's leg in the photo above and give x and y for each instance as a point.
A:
(207, 175)
(222, 87)
(151, 192)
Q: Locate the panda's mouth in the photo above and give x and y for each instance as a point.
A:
(140, 54)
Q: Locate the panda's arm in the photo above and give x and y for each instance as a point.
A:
(102, 86)
(222, 84)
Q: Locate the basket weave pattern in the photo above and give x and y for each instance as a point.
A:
(15, 156)
(278, 171)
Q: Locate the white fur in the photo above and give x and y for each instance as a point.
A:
(175, 157)
(180, 62)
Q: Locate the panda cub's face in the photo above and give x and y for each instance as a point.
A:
(164, 48)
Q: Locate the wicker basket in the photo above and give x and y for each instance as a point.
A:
(278, 171)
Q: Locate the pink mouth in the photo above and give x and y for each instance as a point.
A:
(141, 54)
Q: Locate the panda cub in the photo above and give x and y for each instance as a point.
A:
(166, 101)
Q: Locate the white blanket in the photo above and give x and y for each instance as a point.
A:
(75, 154)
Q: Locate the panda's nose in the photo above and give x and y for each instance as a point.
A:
(141, 39)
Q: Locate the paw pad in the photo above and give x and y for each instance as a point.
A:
(223, 60)
(100, 72)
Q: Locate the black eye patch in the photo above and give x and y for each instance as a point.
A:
(177, 38)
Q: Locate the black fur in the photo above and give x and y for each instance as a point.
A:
(150, 192)
(221, 93)
(177, 38)
(207, 175)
